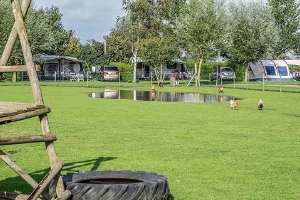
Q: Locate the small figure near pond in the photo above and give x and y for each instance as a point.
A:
(234, 104)
(153, 88)
(260, 105)
(221, 89)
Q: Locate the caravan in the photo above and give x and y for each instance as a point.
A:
(269, 70)
(177, 69)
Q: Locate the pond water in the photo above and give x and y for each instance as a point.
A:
(161, 96)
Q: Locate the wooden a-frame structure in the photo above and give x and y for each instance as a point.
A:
(12, 112)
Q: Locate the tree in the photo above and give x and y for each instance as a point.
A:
(46, 33)
(157, 51)
(286, 14)
(200, 28)
(120, 42)
(93, 54)
(72, 48)
(143, 21)
(6, 22)
(252, 35)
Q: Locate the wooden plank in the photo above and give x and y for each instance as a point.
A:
(14, 68)
(6, 113)
(17, 68)
(29, 105)
(22, 116)
(18, 107)
(4, 109)
(27, 139)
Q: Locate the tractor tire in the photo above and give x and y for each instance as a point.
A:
(117, 185)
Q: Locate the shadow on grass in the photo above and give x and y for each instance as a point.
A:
(17, 184)
(171, 197)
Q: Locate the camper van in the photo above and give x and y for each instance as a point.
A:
(269, 70)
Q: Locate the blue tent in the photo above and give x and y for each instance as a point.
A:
(269, 70)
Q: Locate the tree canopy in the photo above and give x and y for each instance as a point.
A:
(286, 15)
(159, 31)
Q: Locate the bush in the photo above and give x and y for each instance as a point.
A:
(126, 71)
(208, 68)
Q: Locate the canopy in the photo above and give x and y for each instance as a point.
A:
(293, 62)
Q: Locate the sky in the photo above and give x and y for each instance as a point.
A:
(90, 19)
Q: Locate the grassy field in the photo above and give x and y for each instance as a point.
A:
(206, 150)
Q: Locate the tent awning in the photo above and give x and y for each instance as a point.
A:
(293, 62)
(54, 57)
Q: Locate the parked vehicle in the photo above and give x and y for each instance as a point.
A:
(224, 73)
(109, 73)
(144, 71)
(176, 74)
(296, 75)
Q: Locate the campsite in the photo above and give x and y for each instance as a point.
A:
(206, 150)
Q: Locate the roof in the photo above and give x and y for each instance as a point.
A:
(46, 58)
(138, 59)
(293, 62)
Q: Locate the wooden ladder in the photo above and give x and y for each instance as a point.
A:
(12, 112)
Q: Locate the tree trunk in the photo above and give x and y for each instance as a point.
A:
(161, 74)
(196, 76)
(134, 67)
(198, 72)
(246, 74)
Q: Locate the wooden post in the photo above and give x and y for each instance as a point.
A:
(233, 83)
(248, 81)
(55, 78)
(263, 82)
(280, 81)
(87, 79)
(35, 87)
(119, 78)
(14, 77)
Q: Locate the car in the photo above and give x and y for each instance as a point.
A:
(109, 73)
(176, 74)
(225, 73)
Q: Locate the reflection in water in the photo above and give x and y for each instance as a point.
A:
(161, 96)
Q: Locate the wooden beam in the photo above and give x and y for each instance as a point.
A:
(36, 90)
(46, 180)
(21, 173)
(6, 103)
(7, 119)
(27, 139)
(18, 107)
(15, 196)
(17, 68)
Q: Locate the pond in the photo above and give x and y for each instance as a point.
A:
(161, 96)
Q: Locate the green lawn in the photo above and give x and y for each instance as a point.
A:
(206, 150)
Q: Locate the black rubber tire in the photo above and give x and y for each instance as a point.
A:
(117, 185)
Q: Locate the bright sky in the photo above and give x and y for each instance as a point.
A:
(92, 19)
